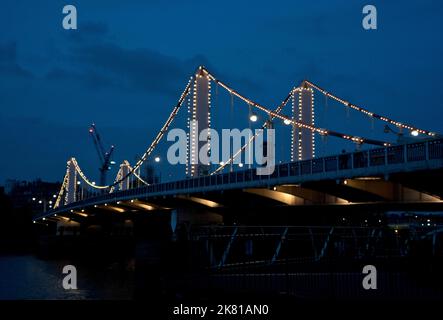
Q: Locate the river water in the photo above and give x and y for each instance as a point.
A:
(26, 277)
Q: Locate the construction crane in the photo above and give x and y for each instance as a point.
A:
(105, 157)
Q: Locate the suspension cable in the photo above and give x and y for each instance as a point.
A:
(151, 148)
(83, 176)
(126, 162)
(273, 114)
(62, 189)
(161, 133)
(367, 112)
(349, 137)
(252, 138)
(117, 177)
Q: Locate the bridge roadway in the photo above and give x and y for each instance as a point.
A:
(401, 173)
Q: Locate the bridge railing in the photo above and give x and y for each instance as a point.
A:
(418, 151)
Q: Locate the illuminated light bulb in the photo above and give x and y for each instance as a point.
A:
(287, 122)
(222, 163)
(240, 165)
(414, 133)
(253, 117)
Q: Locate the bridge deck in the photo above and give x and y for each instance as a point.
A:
(412, 157)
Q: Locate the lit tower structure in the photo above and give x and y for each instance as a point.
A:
(302, 139)
(201, 120)
(71, 187)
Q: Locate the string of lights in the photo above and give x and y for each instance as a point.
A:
(300, 124)
(126, 162)
(117, 177)
(369, 113)
(151, 148)
(252, 138)
(83, 176)
(161, 133)
(190, 93)
(62, 189)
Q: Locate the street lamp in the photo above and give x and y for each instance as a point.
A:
(401, 138)
(253, 117)
(42, 201)
(155, 170)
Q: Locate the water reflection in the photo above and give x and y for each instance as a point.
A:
(28, 277)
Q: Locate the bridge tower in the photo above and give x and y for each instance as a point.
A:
(200, 120)
(71, 188)
(125, 184)
(302, 139)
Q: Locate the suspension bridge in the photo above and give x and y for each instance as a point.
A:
(388, 174)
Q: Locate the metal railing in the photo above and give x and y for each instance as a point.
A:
(386, 156)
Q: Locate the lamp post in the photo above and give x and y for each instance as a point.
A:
(400, 136)
(252, 118)
(151, 168)
(157, 160)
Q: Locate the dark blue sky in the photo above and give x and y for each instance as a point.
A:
(128, 62)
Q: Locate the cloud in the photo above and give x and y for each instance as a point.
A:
(107, 64)
(133, 68)
(90, 79)
(8, 62)
(88, 32)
